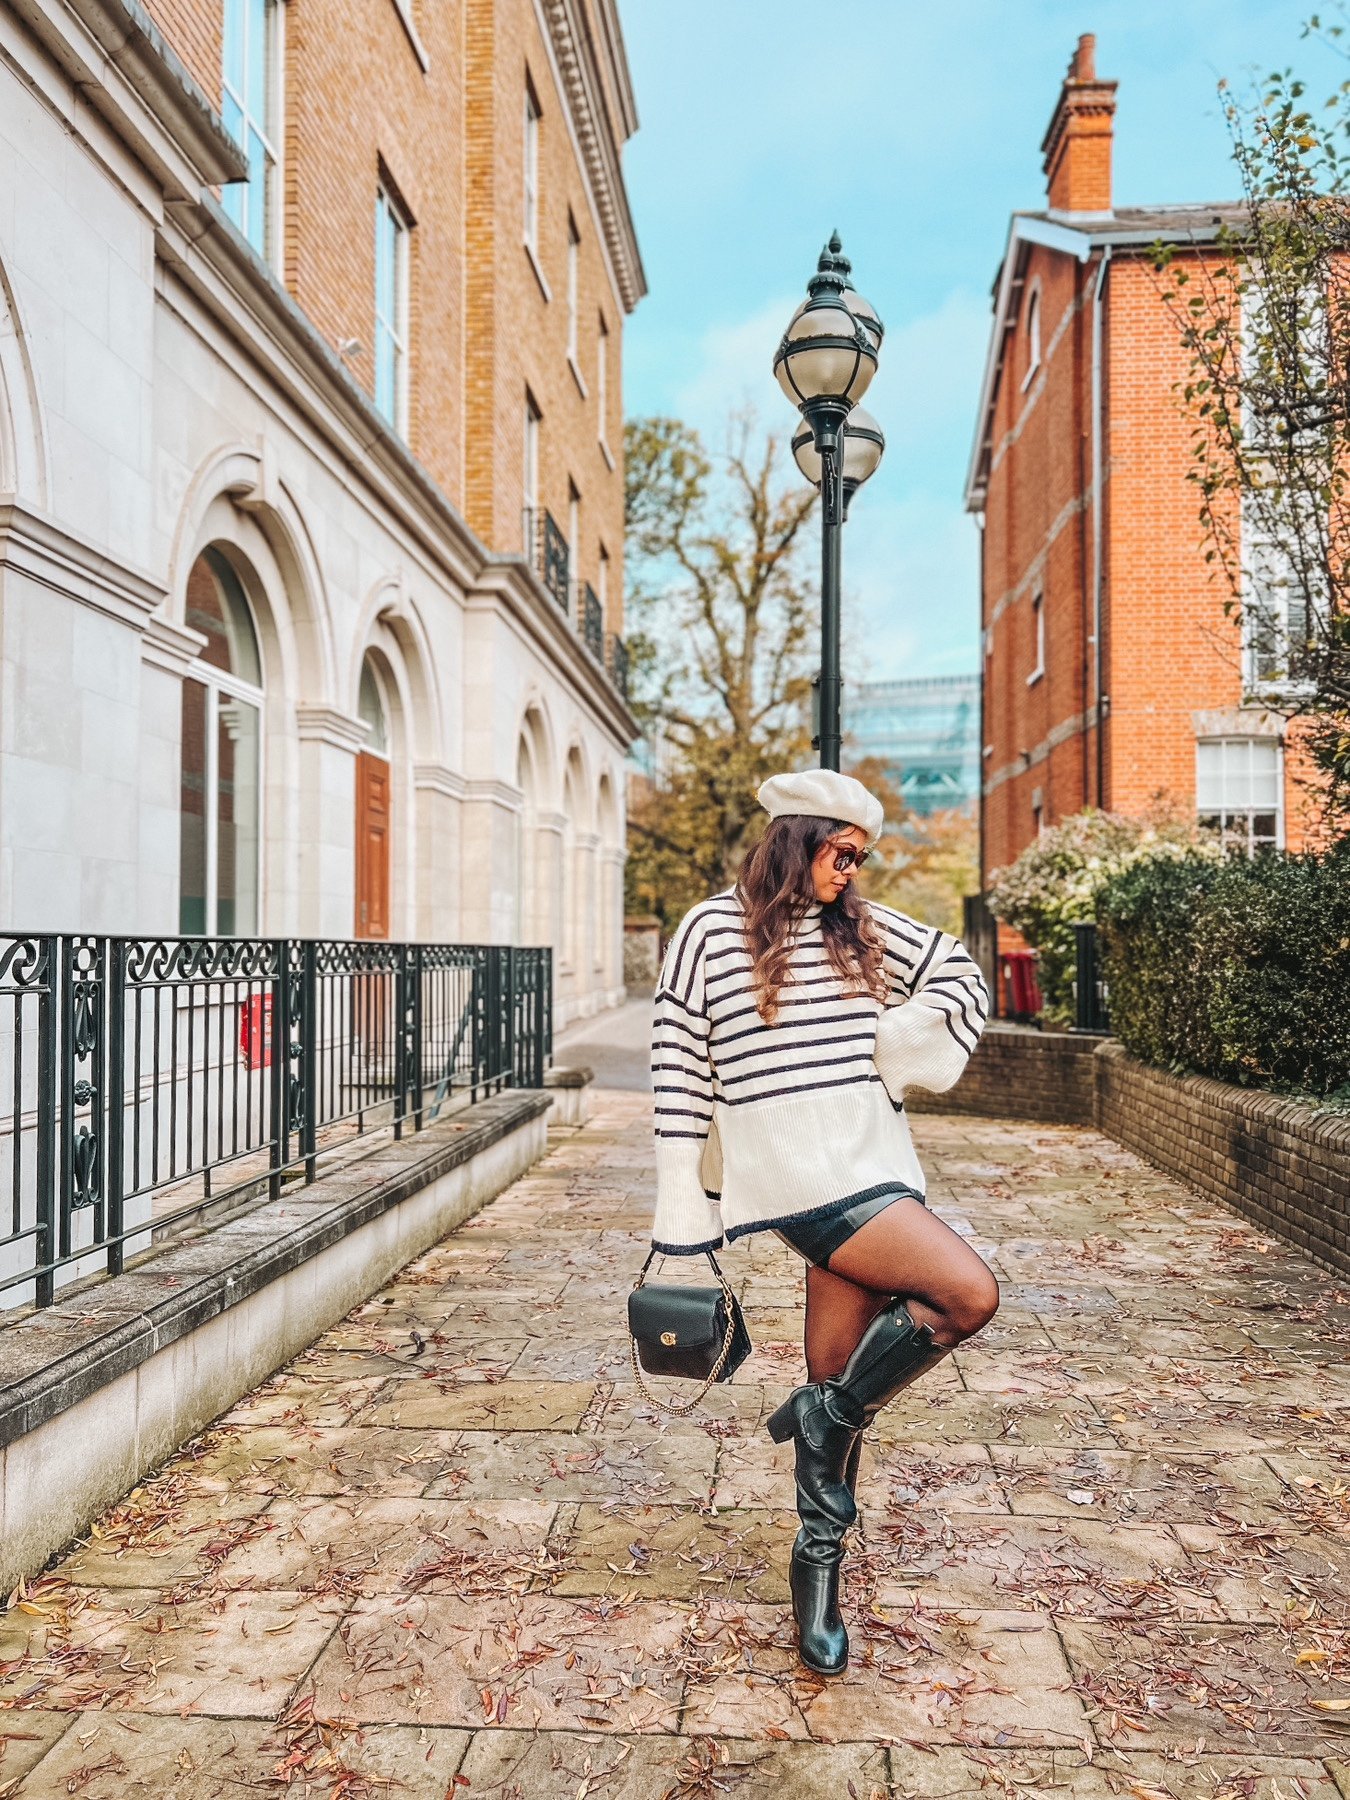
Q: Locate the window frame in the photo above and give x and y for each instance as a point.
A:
(1038, 627)
(573, 288)
(602, 382)
(534, 418)
(395, 332)
(215, 683)
(1221, 816)
(530, 174)
(269, 128)
(1259, 589)
(1033, 331)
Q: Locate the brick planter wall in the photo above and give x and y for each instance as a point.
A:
(1020, 1073)
(1279, 1163)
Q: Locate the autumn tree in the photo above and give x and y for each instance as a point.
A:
(1266, 323)
(722, 612)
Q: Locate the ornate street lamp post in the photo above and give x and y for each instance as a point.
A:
(824, 364)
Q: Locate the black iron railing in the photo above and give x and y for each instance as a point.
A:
(593, 622)
(546, 548)
(618, 663)
(1091, 995)
(146, 1080)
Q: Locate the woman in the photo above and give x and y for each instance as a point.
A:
(791, 1017)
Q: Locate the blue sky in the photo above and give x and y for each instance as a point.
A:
(915, 129)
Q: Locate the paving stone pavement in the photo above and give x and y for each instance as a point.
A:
(448, 1551)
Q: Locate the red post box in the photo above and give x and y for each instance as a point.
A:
(1021, 990)
(255, 1031)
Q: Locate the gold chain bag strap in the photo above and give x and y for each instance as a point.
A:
(693, 1333)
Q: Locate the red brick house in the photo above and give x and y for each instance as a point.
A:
(1111, 673)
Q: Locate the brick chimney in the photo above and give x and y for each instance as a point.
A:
(1077, 145)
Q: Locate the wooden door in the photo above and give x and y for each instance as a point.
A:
(372, 846)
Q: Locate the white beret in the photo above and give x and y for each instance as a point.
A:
(823, 794)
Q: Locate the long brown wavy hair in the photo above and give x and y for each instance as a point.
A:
(775, 891)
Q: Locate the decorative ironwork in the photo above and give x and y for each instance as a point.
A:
(556, 560)
(186, 1072)
(618, 663)
(547, 551)
(593, 622)
(82, 1039)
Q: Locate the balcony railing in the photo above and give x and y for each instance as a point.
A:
(546, 548)
(592, 622)
(618, 663)
(146, 1081)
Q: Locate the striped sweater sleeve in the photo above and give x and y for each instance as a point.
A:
(937, 1009)
(688, 1221)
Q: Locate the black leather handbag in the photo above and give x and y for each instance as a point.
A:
(696, 1333)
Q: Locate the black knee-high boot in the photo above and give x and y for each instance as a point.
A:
(826, 1419)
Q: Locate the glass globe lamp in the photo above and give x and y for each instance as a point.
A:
(863, 443)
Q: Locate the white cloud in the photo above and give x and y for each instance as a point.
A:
(735, 370)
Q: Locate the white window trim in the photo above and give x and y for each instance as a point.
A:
(397, 329)
(530, 472)
(573, 286)
(216, 682)
(1033, 328)
(419, 49)
(602, 385)
(1205, 811)
(1038, 614)
(1269, 687)
(274, 140)
(530, 172)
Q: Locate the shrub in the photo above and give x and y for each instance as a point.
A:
(1055, 882)
(1238, 969)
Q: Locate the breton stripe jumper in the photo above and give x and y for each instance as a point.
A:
(756, 1124)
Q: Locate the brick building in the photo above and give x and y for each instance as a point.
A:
(1111, 674)
(311, 506)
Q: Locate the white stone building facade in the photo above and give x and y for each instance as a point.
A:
(224, 581)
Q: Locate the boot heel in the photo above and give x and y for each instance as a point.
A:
(782, 1424)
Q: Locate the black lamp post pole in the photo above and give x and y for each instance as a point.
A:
(827, 422)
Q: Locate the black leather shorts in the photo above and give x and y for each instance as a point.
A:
(818, 1239)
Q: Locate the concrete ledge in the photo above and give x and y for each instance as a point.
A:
(568, 1087)
(1283, 1164)
(103, 1386)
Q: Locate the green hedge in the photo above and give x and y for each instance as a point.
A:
(1238, 969)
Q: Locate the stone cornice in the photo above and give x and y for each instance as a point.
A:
(495, 793)
(435, 778)
(598, 142)
(317, 724)
(122, 67)
(47, 553)
(173, 648)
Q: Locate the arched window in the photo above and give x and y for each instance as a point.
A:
(370, 705)
(220, 792)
